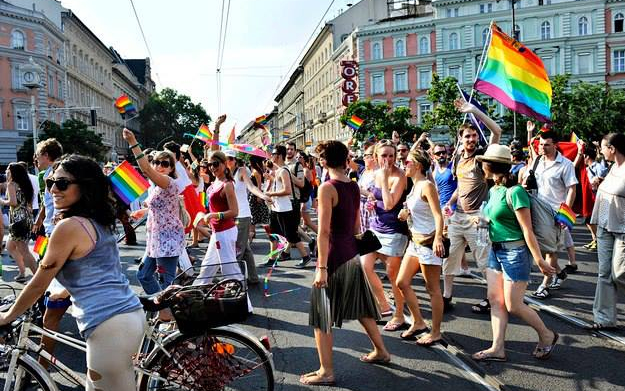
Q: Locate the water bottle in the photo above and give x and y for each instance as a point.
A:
(482, 239)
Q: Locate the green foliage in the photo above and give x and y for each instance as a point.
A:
(443, 93)
(169, 115)
(74, 136)
(380, 121)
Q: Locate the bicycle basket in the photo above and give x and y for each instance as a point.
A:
(202, 307)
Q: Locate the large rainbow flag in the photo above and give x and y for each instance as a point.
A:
(125, 106)
(515, 76)
(127, 183)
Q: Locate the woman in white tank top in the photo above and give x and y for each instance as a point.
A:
(425, 220)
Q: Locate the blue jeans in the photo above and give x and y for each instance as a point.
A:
(166, 267)
(516, 263)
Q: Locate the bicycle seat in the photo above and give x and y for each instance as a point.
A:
(149, 304)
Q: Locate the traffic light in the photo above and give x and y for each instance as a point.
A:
(94, 117)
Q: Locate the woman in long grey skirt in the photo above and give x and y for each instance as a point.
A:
(340, 290)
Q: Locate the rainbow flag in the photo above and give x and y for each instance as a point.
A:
(127, 183)
(565, 215)
(41, 245)
(354, 122)
(574, 138)
(125, 106)
(515, 76)
(262, 120)
(308, 143)
(232, 137)
(203, 199)
(286, 134)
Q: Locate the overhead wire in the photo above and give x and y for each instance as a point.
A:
(223, 30)
(145, 41)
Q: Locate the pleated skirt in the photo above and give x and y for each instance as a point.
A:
(348, 296)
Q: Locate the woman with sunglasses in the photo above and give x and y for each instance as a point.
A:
(19, 192)
(82, 254)
(164, 230)
(223, 210)
(366, 183)
(388, 195)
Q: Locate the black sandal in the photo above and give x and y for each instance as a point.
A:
(483, 307)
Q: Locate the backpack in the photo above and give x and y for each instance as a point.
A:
(544, 224)
(304, 191)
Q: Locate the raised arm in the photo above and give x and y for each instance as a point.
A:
(468, 108)
(390, 197)
(220, 120)
(159, 180)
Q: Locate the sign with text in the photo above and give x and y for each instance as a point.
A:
(349, 73)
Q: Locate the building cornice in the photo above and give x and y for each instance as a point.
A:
(391, 28)
(84, 29)
(34, 17)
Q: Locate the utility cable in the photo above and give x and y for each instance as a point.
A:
(145, 40)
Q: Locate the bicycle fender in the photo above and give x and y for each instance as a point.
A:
(45, 375)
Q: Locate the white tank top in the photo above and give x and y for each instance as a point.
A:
(241, 192)
(420, 212)
(281, 203)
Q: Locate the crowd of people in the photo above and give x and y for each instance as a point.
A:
(428, 207)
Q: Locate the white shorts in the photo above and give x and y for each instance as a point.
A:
(393, 245)
(426, 255)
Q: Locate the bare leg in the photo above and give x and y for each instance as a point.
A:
(571, 253)
(432, 277)
(593, 230)
(324, 349)
(51, 320)
(29, 260)
(498, 312)
(409, 267)
(15, 253)
(302, 248)
(392, 269)
(552, 258)
(514, 293)
(368, 263)
(379, 350)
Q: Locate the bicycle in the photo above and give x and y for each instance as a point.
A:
(218, 358)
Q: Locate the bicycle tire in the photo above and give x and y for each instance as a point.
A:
(31, 379)
(230, 353)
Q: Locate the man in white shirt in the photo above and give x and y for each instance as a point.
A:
(555, 176)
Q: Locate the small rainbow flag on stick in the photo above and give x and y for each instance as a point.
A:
(262, 120)
(354, 122)
(41, 245)
(286, 134)
(204, 133)
(232, 138)
(127, 183)
(124, 106)
(203, 199)
(574, 138)
(565, 216)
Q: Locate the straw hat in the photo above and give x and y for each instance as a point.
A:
(496, 153)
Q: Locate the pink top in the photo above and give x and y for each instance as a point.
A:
(218, 202)
(164, 231)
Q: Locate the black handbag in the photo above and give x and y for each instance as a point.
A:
(367, 243)
(446, 245)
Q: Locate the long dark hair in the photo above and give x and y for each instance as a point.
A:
(19, 175)
(95, 201)
(221, 157)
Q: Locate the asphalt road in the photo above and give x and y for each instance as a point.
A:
(581, 361)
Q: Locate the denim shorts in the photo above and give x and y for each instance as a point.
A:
(516, 264)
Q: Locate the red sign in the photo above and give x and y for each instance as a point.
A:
(349, 73)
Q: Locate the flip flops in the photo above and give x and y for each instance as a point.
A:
(375, 360)
(387, 313)
(544, 352)
(412, 336)
(482, 355)
(394, 326)
(314, 379)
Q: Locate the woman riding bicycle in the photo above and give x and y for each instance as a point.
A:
(82, 254)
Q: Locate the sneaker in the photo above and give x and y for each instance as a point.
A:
(562, 275)
(541, 293)
(570, 269)
(302, 264)
(20, 278)
(447, 304)
(556, 284)
(593, 245)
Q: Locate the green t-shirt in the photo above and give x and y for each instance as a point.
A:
(504, 226)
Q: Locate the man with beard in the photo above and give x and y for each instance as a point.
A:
(402, 155)
(446, 183)
(472, 191)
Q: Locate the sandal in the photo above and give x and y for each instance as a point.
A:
(600, 327)
(482, 355)
(431, 342)
(394, 326)
(412, 335)
(544, 352)
(375, 360)
(315, 379)
(541, 293)
(483, 307)
(387, 313)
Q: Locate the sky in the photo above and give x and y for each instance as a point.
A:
(263, 39)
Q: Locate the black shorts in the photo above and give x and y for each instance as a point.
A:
(285, 224)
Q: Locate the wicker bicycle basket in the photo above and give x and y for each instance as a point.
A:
(202, 307)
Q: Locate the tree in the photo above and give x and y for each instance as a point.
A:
(442, 94)
(74, 136)
(169, 115)
(380, 121)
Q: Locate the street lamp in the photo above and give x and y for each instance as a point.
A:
(31, 76)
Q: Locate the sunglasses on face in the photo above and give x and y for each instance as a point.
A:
(61, 184)
(204, 166)
(402, 150)
(439, 153)
(214, 164)
(162, 163)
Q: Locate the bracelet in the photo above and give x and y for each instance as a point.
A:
(322, 267)
(220, 215)
(139, 156)
(136, 145)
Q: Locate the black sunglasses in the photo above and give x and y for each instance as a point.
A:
(440, 153)
(61, 184)
(162, 163)
(214, 164)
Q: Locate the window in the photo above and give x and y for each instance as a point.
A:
(400, 48)
(453, 41)
(400, 82)
(49, 50)
(425, 79)
(544, 2)
(17, 40)
(377, 84)
(424, 45)
(22, 118)
(618, 22)
(583, 63)
(423, 109)
(582, 26)
(485, 33)
(376, 51)
(454, 71)
(485, 8)
(16, 77)
(545, 30)
(50, 84)
(618, 61)
(453, 12)
(548, 62)
(59, 85)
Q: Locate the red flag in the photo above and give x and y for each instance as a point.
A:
(232, 137)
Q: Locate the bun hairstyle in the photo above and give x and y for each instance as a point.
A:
(422, 158)
(221, 157)
(334, 152)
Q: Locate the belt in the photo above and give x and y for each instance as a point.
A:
(508, 245)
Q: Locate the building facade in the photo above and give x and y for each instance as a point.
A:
(290, 115)
(25, 34)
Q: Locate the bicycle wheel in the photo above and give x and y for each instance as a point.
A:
(24, 378)
(216, 360)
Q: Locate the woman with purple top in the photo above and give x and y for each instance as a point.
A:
(365, 183)
(340, 290)
(388, 194)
